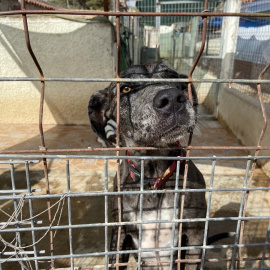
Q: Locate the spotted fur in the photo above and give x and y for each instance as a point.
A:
(148, 117)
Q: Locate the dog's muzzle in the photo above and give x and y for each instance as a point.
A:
(169, 101)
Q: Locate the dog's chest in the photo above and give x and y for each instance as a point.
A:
(158, 235)
(155, 234)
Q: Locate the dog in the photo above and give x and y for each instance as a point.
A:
(152, 114)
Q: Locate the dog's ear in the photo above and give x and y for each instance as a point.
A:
(98, 106)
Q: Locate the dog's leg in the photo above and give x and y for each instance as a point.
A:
(194, 237)
(125, 244)
(113, 246)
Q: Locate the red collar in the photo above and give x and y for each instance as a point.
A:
(157, 182)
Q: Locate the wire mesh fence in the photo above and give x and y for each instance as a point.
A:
(56, 217)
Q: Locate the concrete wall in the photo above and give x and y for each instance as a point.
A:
(81, 47)
(243, 117)
(9, 5)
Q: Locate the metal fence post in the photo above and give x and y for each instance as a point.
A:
(228, 44)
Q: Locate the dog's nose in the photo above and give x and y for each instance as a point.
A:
(169, 100)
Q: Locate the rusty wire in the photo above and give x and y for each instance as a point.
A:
(96, 149)
(242, 224)
(42, 93)
(119, 204)
(191, 133)
(205, 14)
(137, 14)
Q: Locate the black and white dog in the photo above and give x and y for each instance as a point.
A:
(154, 114)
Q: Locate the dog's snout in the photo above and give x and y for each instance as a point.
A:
(169, 100)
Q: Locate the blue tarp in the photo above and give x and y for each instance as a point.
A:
(243, 22)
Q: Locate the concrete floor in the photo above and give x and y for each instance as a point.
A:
(87, 175)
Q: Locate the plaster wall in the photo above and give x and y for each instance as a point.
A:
(243, 117)
(64, 47)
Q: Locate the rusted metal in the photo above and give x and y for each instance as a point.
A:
(254, 163)
(118, 47)
(203, 41)
(191, 133)
(206, 14)
(182, 206)
(42, 92)
(62, 79)
(214, 260)
(137, 14)
(106, 5)
(43, 4)
(262, 105)
(72, 150)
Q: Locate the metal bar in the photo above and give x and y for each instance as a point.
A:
(42, 93)
(118, 49)
(135, 14)
(27, 39)
(112, 224)
(19, 162)
(69, 216)
(137, 157)
(20, 153)
(141, 214)
(10, 253)
(178, 2)
(208, 213)
(31, 213)
(141, 193)
(4, 191)
(242, 205)
(202, 45)
(87, 194)
(175, 204)
(190, 137)
(21, 223)
(200, 52)
(182, 204)
(106, 189)
(152, 80)
(262, 107)
(158, 11)
(94, 254)
(99, 193)
(191, 133)
(162, 262)
(149, 263)
(265, 247)
(256, 153)
(106, 5)
(18, 234)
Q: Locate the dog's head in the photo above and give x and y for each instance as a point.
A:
(151, 113)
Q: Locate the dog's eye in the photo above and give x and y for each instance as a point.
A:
(126, 89)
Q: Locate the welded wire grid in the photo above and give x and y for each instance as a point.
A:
(29, 256)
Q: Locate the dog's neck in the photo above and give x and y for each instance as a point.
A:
(152, 168)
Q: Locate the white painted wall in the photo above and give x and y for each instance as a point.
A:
(243, 117)
(81, 47)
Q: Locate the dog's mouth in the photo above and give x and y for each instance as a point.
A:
(175, 134)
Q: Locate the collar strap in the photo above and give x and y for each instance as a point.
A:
(154, 183)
